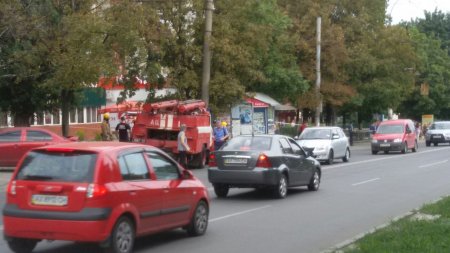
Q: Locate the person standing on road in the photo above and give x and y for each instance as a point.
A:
(350, 133)
(220, 135)
(106, 129)
(123, 130)
(183, 147)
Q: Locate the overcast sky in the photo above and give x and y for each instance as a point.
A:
(407, 9)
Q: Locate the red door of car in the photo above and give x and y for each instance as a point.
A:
(10, 147)
(140, 191)
(178, 196)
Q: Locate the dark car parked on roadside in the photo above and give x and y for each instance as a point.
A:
(101, 192)
(273, 161)
(15, 142)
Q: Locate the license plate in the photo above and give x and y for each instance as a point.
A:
(49, 200)
(385, 145)
(436, 137)
(236, 160)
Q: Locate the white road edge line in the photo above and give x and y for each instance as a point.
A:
(367, 181)
(433, 164)
(239, 213)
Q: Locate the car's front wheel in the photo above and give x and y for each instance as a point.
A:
(199, 220)
(374, 152)
(330, 157)
(221, 190)
(122, 237)
(314, 182)
(21, 245)
(280, 190)
(427, 143)
(346, 157)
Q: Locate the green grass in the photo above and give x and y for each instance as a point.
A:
(410, 236)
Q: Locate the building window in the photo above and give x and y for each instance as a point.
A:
(56, 117)
(73, 116)
(80, 113)
(48, 118)
(88, 114)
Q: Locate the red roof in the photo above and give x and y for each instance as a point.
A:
(257, 103)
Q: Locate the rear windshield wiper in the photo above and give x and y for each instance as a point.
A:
(36, 177)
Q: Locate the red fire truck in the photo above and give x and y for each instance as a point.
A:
(159, 124)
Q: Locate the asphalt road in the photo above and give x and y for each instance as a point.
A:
(354, 197)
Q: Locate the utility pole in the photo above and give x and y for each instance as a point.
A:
(206, 75)
(318, 95)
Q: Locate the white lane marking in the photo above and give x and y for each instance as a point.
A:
(239, 213)
(367, 181)
(380, 159)
(433, 164)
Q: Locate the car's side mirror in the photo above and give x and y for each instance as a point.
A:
(187, 174)
(335, 136)
(296, 137)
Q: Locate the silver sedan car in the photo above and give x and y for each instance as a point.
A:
(326, 143)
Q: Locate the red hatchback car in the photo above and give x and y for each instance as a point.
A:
(15, 142)
(104, 192)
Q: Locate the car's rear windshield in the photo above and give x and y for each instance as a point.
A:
(440, 126)
(58, 166)
(258, 143)
(312, 134)
(390, 129)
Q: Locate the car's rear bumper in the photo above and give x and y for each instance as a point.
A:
(70, 226)
(87, 231)
(244, 178)
(393, 146)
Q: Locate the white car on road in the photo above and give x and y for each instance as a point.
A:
(325, 143)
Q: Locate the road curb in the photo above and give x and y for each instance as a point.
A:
(338, 248)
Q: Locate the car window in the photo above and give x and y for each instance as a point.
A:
(390, 129)
(58, 166)
(10, 136)
(311, 134)
(164, 168)
(341, 133)
(258, 143)
(285, 147)
(133, 167)
(334, 132)
(296, 148)
(440, 126)
(38, 136)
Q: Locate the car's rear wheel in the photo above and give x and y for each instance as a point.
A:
(330, 157)
(435, 144)
(427, 143)
(281, 188)
(314, 183)
(122, 237)
(386, 151)
(221, 190)
(21, 245)
(405, 148)
(416, 146)
(374, 152)
(346, 157)
(199, 220)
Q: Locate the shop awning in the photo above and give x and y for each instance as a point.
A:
(285, 108)
(256, 103)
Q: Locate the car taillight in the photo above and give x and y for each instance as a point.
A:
(263, 161)
(95, 190)
(12, 188)
(212, 160)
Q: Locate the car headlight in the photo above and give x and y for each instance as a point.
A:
(374, 141)
(397, 140)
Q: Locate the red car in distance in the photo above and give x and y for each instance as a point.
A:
(102, 192)
(15, 142)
